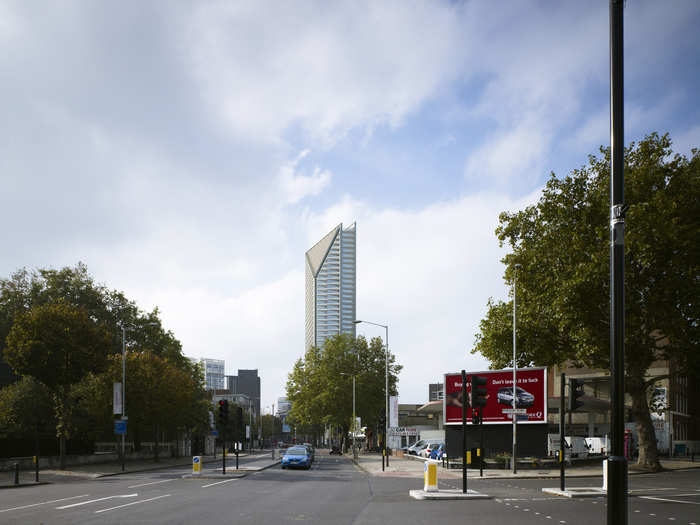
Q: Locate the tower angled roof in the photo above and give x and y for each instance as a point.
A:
(317, 253)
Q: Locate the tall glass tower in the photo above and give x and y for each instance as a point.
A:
(330, 286)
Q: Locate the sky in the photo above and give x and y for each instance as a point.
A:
(189, 153)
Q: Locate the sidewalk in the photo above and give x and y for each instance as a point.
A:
(413, 467)
(101, 470)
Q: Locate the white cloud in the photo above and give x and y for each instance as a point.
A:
(263, 70)
(297, 186)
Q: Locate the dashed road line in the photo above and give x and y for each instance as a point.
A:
(219, 482)
(151, 483)
(132, 503)
(671, 500)
(44, 503)
(95, 500)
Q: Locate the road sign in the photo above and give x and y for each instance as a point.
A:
(516, 411)
(196, 465)
(214, 433)
(119, 427)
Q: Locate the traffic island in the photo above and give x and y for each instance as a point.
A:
(577, 492)
(448, 494)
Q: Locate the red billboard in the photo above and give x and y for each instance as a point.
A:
(531, 396)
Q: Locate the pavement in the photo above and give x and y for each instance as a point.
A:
(412, 466)
(256, 460)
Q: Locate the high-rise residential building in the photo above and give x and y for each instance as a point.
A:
(330, 286)
(213, 373)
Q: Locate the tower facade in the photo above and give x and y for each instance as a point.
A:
(330, 286)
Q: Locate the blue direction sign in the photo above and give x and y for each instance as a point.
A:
(120, 427)
(214, 433)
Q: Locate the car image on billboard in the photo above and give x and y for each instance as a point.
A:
(531, 396)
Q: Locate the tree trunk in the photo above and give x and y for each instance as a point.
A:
(62, 452)
(648, 452)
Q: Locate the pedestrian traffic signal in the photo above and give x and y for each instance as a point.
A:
(479, 394)
(476, 416)
(575, 392)
(223, 412)
(239, 418)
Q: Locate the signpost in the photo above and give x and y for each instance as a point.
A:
(119, 427)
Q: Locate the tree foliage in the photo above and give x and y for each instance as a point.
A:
(562, 246)
(319, 386)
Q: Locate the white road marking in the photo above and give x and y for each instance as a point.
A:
(132, 503)
(151, 483)
(44, 503)
(94, 500)
(219, 482)
(647, 490)
(671, 500)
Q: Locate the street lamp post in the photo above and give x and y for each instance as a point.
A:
(515, 367)
(386, 382)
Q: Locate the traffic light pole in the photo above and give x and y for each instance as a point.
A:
(464, 432)
(562, 422)
(223, 433)
(481, 444)
(617, 463)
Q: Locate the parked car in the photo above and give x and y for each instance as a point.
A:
(418, 447)
(523, 399)
(438, 452)
(297, 456)
(310, 447)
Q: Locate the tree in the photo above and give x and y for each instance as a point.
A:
(57, 344)
(26, 409)
(319, 386)
(562, 246)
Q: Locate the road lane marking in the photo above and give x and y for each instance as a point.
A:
(151, 483)
(95, 500)
(219, 482)
(132, 503)
(44, 503)
(671, 500)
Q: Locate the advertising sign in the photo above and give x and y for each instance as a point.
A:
(393, 411)
(531, 388)
(117, 398)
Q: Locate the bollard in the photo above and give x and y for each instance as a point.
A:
(605, 475)
(196, 465)
(16, 473)
(430, 474)
(36, 468)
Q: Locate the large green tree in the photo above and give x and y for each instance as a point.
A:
(562, 246)
(319, 386)
(58, 345)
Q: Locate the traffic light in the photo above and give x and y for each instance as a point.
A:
(575, 391)
(476, 416)
(479, 391)
(223, 412)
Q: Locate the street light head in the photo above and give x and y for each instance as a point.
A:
(357, 321)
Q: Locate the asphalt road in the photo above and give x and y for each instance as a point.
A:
(334, 491)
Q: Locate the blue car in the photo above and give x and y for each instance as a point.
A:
(296, 457)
